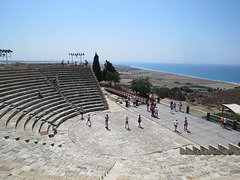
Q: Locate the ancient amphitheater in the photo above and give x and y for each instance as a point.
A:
(29, 150)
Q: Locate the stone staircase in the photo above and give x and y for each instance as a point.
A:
(211, 150)
(23, 156)
(171, 165)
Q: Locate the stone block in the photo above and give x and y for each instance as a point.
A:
(189, 151)
(182, 151)
(204, 150)
(234, 149)
(197, 151)
(213, 150)
(223, 149)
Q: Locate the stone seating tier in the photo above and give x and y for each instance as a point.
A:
(21, 109)
(28, 95)
(18, 91)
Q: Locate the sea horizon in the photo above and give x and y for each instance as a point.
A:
(217, 72)
(229, 73)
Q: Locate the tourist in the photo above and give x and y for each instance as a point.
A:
(175, 125)
(81, 111)
(68, 64)
(148, 106)
(152, 110)
(89, 120)
(106, 121)
(154, 103)
(54, 129)
(40, 94)
(156, 111)
(134, 101)
(185, 124)
(222, 119)
(174, 106)
(126, 123)
(62, 62)
(225, 121)
(58, 86)
(180, 106)
(171, 108)
(139, 121)
(86, 63)
(55, 80)
(75, 63)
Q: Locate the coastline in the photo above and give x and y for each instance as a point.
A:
(170, 80)
(186, 75)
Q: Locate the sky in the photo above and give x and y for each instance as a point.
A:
(163, 31)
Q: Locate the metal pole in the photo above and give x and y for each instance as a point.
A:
(6, 58)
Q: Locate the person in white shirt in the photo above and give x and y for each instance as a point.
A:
(176, 124)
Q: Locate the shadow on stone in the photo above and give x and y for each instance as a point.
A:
(177, 132)
(108, 129)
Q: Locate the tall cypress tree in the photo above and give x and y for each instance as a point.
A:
(96, 67)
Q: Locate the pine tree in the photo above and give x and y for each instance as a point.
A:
(96, 67)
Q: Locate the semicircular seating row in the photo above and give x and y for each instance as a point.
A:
(22, 110)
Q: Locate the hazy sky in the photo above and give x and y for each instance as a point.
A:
(174, 31)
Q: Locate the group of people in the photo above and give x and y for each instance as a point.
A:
(89, 123)
(185, 124)
(224, 121)
(173, 106)
(56, 83)
(153, 108)
(75, 63)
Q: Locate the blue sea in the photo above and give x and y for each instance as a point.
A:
(226, 73)
(219, 72)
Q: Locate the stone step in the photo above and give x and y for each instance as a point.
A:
(211, 150)
(50, 111)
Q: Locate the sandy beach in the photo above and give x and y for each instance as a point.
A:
(163, 79)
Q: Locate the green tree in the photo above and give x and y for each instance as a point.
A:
(141, 86)
(162, 92)
(174, 93)
(96, 67)
(110, 74)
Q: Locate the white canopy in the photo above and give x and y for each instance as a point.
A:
(233, 107)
